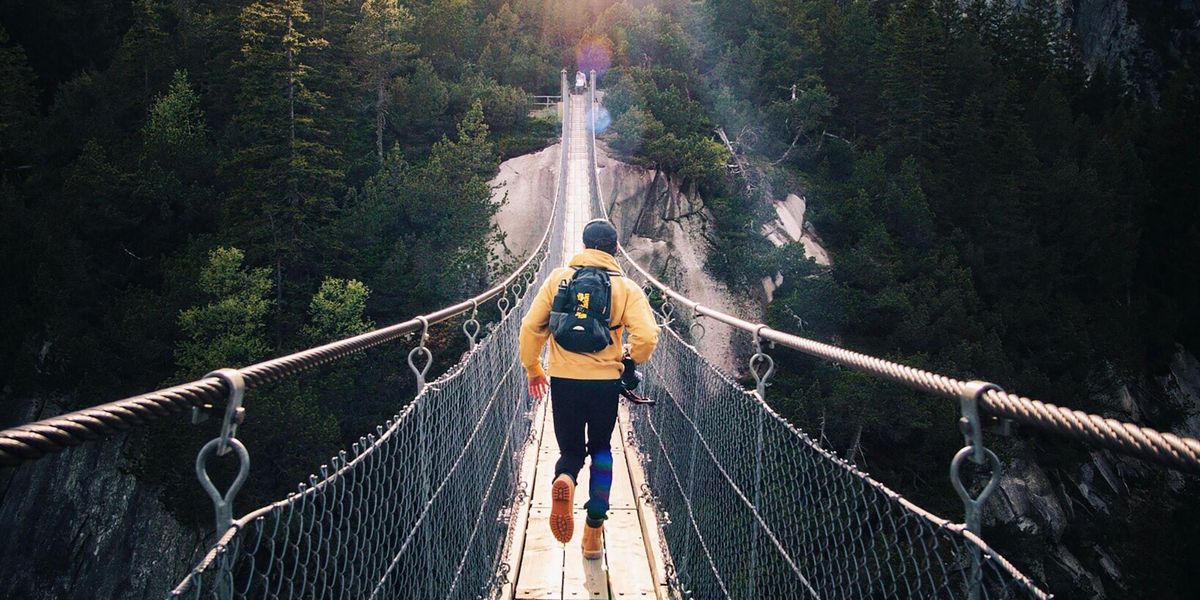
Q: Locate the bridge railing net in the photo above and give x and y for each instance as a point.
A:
(419, 509)
(751, 507)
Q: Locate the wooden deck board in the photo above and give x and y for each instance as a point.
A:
(629, 573)
(582, 578)
(626, 571)
(541, 574)
(521, 513)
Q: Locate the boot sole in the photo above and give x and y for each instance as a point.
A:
(562, 522)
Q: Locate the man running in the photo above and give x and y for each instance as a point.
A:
(584, 310)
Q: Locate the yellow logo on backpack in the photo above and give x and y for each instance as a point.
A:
(583, 299)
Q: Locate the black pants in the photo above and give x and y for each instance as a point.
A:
(590, 405)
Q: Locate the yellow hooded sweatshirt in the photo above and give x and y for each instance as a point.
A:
(629, 310)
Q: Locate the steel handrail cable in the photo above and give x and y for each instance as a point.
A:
(1164, 448)
(34, 440)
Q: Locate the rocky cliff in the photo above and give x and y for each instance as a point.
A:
(1138, 40)
(1102, 524)
(663, 228)
(74, 526)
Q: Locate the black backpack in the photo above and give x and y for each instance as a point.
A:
(579, 317)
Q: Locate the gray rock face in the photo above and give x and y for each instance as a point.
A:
(73, 526)
(1112, 34)
(1043, 504)
(1027, 500)
(663, 229)
(1107, 36)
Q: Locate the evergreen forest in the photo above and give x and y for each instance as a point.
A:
(192, 184)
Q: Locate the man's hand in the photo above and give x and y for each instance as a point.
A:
(538, 386)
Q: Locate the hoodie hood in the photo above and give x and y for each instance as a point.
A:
(596, 258)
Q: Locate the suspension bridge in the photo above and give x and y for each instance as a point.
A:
(714, 495)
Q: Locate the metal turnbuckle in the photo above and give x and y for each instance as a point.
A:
(412, 354)
(221, 445)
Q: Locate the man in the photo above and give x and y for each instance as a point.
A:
(584, 386)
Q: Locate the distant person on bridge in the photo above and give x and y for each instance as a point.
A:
(584, 310)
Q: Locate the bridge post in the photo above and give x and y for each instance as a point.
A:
(565, 90)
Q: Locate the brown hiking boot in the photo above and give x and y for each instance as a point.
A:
(562, 505)
(593, 542)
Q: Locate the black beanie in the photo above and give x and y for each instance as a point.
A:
(601, 235)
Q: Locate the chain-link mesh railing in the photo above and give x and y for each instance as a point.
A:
(419, 509)
(751, 507)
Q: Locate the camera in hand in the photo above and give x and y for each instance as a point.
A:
(630, 380)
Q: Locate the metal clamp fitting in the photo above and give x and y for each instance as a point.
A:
(222, 445)
(970, 422)
(234, 412)
(972, 428)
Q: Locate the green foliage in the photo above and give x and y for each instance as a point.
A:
(380, 46)
(231, 329)
(18, 103)
(634, 128)
(176, 126)
(422, 231)
(137, 136)
(992, 210)
(337, 311)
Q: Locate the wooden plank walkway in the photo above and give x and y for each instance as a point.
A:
(547, 569)
(541, 567)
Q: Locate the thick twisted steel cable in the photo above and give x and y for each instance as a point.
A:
(1166, 449)
(31, 441)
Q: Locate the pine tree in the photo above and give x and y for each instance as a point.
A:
(381, 50)
(230, 329)
(176, 133)
(911, 73)
(145, 52)
(288, 175)
(18, 107)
